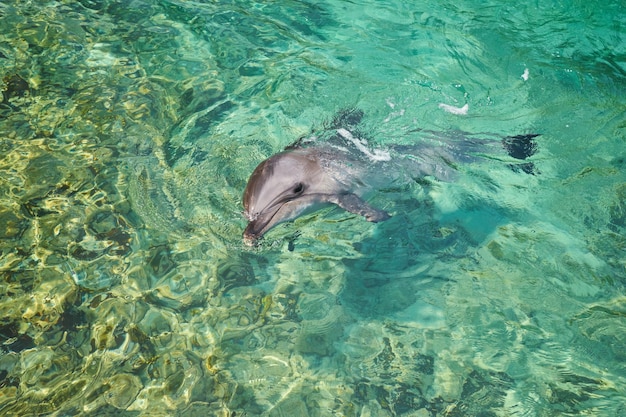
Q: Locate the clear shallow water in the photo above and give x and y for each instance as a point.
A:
(128, 131)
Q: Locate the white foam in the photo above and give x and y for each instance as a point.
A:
(454, 110)
(525, 74)
(375, 155)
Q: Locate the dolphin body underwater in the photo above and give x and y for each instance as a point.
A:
(341, 169)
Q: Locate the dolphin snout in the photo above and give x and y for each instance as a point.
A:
(254, 231)
(250, 239)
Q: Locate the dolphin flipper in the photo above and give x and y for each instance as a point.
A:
(354, 204)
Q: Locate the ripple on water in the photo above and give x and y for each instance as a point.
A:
(128, 130)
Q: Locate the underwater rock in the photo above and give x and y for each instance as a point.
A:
(14, 225)
(160, 260)
(110, 229)
(123, 390)
(235, 271)
(14, 339)
(44, 172)
(183, 287)
(15, 87)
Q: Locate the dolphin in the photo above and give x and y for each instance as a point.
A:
(341, 170)
(293, 182)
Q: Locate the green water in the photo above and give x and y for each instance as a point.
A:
(128, 130)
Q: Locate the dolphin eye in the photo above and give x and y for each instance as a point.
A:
(298, 188)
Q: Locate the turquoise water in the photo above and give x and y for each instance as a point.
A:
(128, 130)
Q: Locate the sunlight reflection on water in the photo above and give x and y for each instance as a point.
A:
(128, 132)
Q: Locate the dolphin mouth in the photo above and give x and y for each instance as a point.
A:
(262, 223)
(252, 233)
(250, 237)
(280, 212)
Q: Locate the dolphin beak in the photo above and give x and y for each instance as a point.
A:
(250, 235)
(261, 224)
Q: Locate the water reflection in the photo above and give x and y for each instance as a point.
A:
(128, 131)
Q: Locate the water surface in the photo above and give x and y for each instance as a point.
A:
(128, 131)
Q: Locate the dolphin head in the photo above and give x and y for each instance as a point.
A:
(280, 189)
